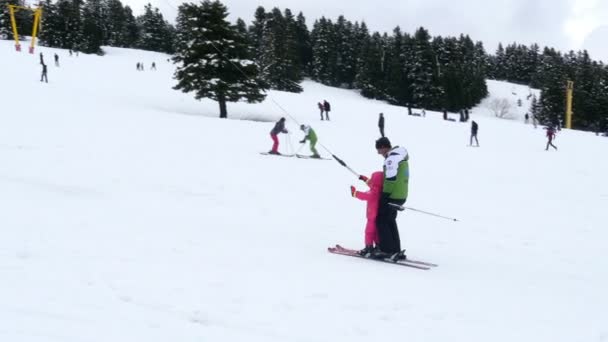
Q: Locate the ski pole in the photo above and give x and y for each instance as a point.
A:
(341, 162)
(289, 140)
(402, 208)
(299, 148)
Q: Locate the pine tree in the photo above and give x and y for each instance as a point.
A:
(500, 62)
(370, 75)
(395, 68)
(323, 52)
(52, 34)
(535, 109)
(212, 58)
(70, 24)
(94, 30)
(552, 80)
(155, 33)
(278, 52)
(423, 73)
(346, 53)
(130, 34)
(256, 31)
(303, 45)
(115, 23)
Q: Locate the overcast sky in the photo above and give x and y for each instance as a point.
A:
(564, 24)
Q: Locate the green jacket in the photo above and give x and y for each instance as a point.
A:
(310, 134)
(396, 174)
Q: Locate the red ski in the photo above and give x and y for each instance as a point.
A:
(343, 251)
(430, 264)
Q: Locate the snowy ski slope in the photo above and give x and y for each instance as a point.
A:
(130, 213)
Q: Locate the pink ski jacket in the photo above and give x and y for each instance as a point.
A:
(372, 197)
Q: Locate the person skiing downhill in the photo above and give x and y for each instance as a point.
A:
(279, 127)
(312, 137)
(372, 197)
(394, 192)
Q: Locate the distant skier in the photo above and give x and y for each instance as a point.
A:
(321, 109)
(70, 51)
(56, 60)
(41, 59)
(372, 197)
(312, 137)
(153, 66)
(394, 192)
(279, 127)
(526, 118)
(474, 129)
(327, 108)
(137, 66)
(381, 124)
(43, 76)
(550, 137)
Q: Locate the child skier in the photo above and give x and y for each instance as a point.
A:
(312, 136)
(372, 197)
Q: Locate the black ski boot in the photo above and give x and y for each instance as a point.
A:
(398, 256)
(367, 251)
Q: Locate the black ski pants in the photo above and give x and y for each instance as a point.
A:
(386, 224)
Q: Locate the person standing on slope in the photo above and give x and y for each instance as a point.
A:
(372, 197)
(44, 76)
(474, 129)
(279, 127)
(327, 108)
(321, 109)
(394, 193)
(381, 124)
(312, 137)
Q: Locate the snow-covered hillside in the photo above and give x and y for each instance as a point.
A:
(130, 213)
(507, 101)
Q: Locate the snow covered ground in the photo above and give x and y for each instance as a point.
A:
(508, 101)
(130, 213)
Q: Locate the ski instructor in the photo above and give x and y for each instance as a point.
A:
(394, 191)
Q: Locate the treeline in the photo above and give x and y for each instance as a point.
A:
(408, 70)
(550, 71)
(416, 70)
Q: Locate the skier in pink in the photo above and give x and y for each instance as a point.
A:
(372, 197)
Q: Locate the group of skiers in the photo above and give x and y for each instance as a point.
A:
(309, 135)
(388, 189)
(140, 66)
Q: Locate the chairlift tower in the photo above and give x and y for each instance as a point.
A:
(12, 9)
